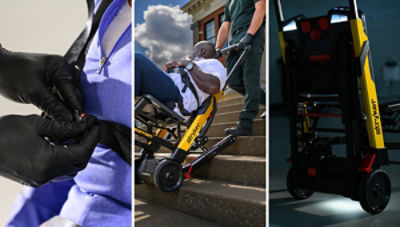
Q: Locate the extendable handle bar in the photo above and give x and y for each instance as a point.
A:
(281, 19)
(235, 47)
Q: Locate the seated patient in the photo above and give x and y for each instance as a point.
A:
(187, 82)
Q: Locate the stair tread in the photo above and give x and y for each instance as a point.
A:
(226, 157)
(237, 138)
(234, 122)
(150, 214)
(240, 193)
(234, 112)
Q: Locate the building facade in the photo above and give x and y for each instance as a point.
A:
(207, 16)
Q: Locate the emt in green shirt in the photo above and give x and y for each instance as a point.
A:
(247, 19)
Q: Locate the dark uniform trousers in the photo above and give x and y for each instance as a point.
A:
(246, 80)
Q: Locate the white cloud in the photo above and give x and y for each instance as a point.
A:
(165, 33)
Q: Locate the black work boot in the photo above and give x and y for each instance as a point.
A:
(238, 131)
(263, 115)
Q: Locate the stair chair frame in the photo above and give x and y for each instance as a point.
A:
(313, 166)
(184, 136)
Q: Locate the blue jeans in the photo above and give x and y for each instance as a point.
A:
(149, 79)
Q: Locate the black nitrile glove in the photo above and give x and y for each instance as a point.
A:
(28, 78)
(27, 155)
(218, 53)
(246, 40)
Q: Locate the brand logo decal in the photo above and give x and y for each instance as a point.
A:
(376, 119)
(193, 134)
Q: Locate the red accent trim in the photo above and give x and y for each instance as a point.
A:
(83, 114)
(320, 115)
(305, 26)
(323, 23)
(367, 163)
(322, 57)
(312, 172)
(187, 174)
(289, 159)
(210, 115)
(315, 34)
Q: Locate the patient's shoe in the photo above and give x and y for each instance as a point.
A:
(238, 131)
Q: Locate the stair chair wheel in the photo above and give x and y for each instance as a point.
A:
(293, 187)
(168, 175)
(375, 191)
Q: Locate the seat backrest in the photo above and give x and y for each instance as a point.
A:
(320, 51)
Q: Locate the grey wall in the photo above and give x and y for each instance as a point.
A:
(35, 26)
(383, 22)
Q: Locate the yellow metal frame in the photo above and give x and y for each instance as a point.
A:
(283, 45)
(197, 125)
(143, 133)
(193, 130)
(306, 122)
(368, 89)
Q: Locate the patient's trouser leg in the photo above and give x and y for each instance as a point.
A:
(149, 79)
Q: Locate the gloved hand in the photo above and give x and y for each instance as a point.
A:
(218, 53)
(28, 78)
(28, 156)
(246, 40)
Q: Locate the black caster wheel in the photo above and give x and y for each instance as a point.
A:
(375, 192)
(168, 176)
(293, 187)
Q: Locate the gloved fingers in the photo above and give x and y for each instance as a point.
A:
(59, 76)
(218, 53)
(70, 94)
(80, 152)
(62, 131)
(52, 106)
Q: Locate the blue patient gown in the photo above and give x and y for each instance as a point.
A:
(100, 195)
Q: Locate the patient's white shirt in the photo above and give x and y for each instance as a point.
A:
(211, 66)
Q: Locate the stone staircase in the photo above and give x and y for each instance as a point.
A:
(228, 191)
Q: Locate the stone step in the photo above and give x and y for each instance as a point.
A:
(229, 108)
(223, 117)
(244, 170)
(148, 214)
(244, 145)
(220, 202)
(233, 100)
(217, 130)
(230, 95)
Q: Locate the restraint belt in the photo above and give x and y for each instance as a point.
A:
(118, 138)
(76, 54)
(187, 84)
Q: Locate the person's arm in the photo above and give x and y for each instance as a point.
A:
(206, 82)
(223, 34)
(258, 17)
(224, 29)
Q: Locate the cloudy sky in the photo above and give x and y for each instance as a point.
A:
(162, 30)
